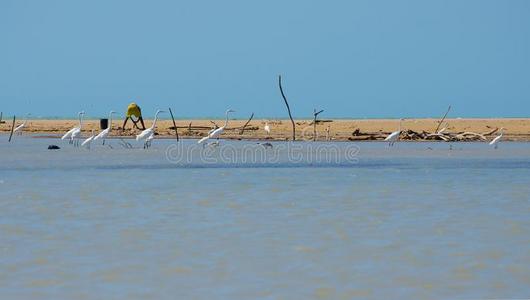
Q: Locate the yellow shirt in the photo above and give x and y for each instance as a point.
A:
(134, 110)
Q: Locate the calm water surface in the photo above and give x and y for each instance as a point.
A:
(415, 221)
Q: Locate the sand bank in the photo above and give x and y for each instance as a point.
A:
(337, 130)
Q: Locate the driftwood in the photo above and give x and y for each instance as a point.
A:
(412, 135)
(12, 128)
(473, 135)
(441, 121)
(287, 104)
(174, 125)
(315, 115)
(491, 132)
(243, 128)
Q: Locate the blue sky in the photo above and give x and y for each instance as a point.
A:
(354, 59)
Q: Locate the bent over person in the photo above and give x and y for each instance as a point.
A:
(133, 110)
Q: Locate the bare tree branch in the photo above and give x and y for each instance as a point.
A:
(287, 104)
(243, 128)
(441, 121)
(315, 115)
(174, 124)
(12, 128)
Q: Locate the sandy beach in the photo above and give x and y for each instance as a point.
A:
(516, 129)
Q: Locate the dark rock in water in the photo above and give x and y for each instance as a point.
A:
(53, 147)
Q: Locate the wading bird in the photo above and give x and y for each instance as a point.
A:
(74, 133)
(21, 127)
(148, 141)
(267, 128)
(105, 133)
(216, 132)
(496, 140)
(86, 143)
(149, 132)
(394, 136)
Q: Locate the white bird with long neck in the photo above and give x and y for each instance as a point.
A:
(497, 139)
(267, 128)
(394, 136)
(217, 132)
(105, 133)
(86, 143)
(148, 140)
(75, 132)
(21, 127)
(144, 135)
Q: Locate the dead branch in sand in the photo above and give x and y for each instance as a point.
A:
(470, 135)
(315, 115)
(174, 125)
(12, 128)
(490, 132)
(287, 104)
(214, 124)
(412, 135)
(243, 128)
(441, 121)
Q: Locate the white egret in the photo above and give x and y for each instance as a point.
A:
(19, 128)
(148, 140)
(216, 132)
(75, 132)
(267, 128)
(149, 132)
(105, 133)
(86, 143)
(394, 136)
(496, 140)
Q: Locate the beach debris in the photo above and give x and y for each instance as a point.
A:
(1, 114)
(287, 105)
(243, 128)
(12, 128)
(53, 147)
(315, 115)
(174, 124)
(443, 118)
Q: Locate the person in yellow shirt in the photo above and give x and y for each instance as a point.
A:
(134, 110)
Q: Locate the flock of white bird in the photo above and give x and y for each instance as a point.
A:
(147, 136)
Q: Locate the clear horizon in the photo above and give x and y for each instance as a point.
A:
(368, 59)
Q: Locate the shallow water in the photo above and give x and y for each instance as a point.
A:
(414, 221)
